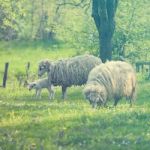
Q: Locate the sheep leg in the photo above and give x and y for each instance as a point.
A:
(105, 105)
(51, 93)
(132, 97)
(130, 102)
(129, 98)
(39, 94)
(116, 101)
(64, 89)
(36, 93)
(49, 90)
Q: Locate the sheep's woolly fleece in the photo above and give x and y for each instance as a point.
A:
(71, 71)
(113, 80)
(38, 85)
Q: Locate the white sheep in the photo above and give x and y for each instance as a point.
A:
(39, 85)
(113, 80)
(68, 72)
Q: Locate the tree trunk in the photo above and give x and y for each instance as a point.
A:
(103, 12)
(105, 48)
(32, 17)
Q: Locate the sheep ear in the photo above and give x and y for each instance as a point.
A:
(47, 63)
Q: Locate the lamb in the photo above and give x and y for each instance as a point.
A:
(112, 80)
(68, 72)
(39, 85)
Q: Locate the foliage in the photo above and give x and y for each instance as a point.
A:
(131, 38)
(72, 23)
(7, 19)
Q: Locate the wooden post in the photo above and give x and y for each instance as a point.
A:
(149, 72)
(27, 70)
(137, 67)
(142, 67)
(5, 74)
(27, 74)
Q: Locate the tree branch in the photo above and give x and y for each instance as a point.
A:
(74, 4)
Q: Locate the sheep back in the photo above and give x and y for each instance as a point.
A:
(72, 71)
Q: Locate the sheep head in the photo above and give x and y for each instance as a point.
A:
(96, 95)
(32, 86)
(43, 67)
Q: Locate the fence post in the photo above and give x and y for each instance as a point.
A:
(149, 72)
(27, 70)
(137, 67)
(5, 74)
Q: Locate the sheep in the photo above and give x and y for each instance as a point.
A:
(68, 72)
(39, 85)
(112, 80)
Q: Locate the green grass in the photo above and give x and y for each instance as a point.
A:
(30, 124)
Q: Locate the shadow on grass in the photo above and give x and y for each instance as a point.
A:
(81, 129)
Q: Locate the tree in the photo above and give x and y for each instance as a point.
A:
(9, 27)
(103, 13)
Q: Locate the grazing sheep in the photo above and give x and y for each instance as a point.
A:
(68, 72)
(112, 80)
(39, 85)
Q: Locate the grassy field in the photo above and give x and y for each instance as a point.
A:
(30, 124)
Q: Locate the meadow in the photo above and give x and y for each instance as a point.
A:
(30, 124)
